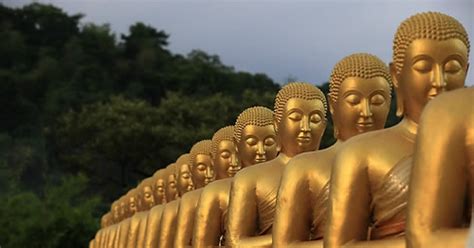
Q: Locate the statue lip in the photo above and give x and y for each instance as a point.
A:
(259, 160)
(304, 139)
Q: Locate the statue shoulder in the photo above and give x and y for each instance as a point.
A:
(191, 196)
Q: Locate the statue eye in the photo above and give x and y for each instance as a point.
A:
(422, 65)
(251, 141)
(295, 116)
(452, 66)
(316, 118)
(225, 154)
(352, 99)
(269, 141)
(377, 99)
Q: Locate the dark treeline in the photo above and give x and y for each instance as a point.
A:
(87, 114)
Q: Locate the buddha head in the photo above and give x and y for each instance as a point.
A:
(224, 154)
(132, 199)
(104, 222)
(430, 56)
(145, 194)
(184, 180)
(359, 95)
(171, 190)
(123, 208)
(201, 163)
(159, 186)
(300, 118)
(255, 137)
(115, 208)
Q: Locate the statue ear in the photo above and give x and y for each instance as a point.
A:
(396, 86)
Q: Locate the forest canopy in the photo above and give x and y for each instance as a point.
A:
(88, 113)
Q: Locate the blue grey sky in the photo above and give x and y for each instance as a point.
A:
(297, 39)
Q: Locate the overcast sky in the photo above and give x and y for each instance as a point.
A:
(301, 39)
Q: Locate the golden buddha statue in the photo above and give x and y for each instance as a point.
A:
(359, 100)
(299, 125)
(184, 184)
(369, 181)
(145, 201)
(165, 181)
(112, 224)
(131, 206)
(440, 200)
(159, 189)
(253, 135)
(171, 183)
(101, 236)
(200, 161)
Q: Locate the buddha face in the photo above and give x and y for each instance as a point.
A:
(171, 188)
(257, 145)
(132, 204)
(116, 212)
(301, 126)
(225, 160)
(160, 190)
(202, 171)
(362, 106)
(184, 181)
(147, 197)
(430, 67)
(123, 209)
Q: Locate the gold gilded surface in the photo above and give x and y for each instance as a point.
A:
(202, 174)
(443, 173)
(200, 162)
(224, 154)
(211, 213)
(171, 190)
(184, 184)
(299, 124)
(159, 187)
(433, 62)
(359, 97)
(154, 214)
(168, 223)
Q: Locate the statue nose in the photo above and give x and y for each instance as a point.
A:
(365, 109)
(233, 160)
(305, 124)
(438, 78)
(260, 149)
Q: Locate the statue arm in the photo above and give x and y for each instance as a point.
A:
(349, 199)
(256, 241)
(242, 218)
(168, 224)
(153, 226)
(293, 209)
(208, 220)
(438, 180)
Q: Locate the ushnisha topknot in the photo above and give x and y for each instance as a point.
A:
(301, 90)
(225, 133)
(145, 182)
(161, 172)
(362, 65)
(427, 25)
(257, 116)
(201, 147)
(183, 159)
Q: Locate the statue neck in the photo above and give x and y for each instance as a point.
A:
(283, 158)
(409, 128)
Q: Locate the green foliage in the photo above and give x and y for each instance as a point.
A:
(78, 99)
(61, 217)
